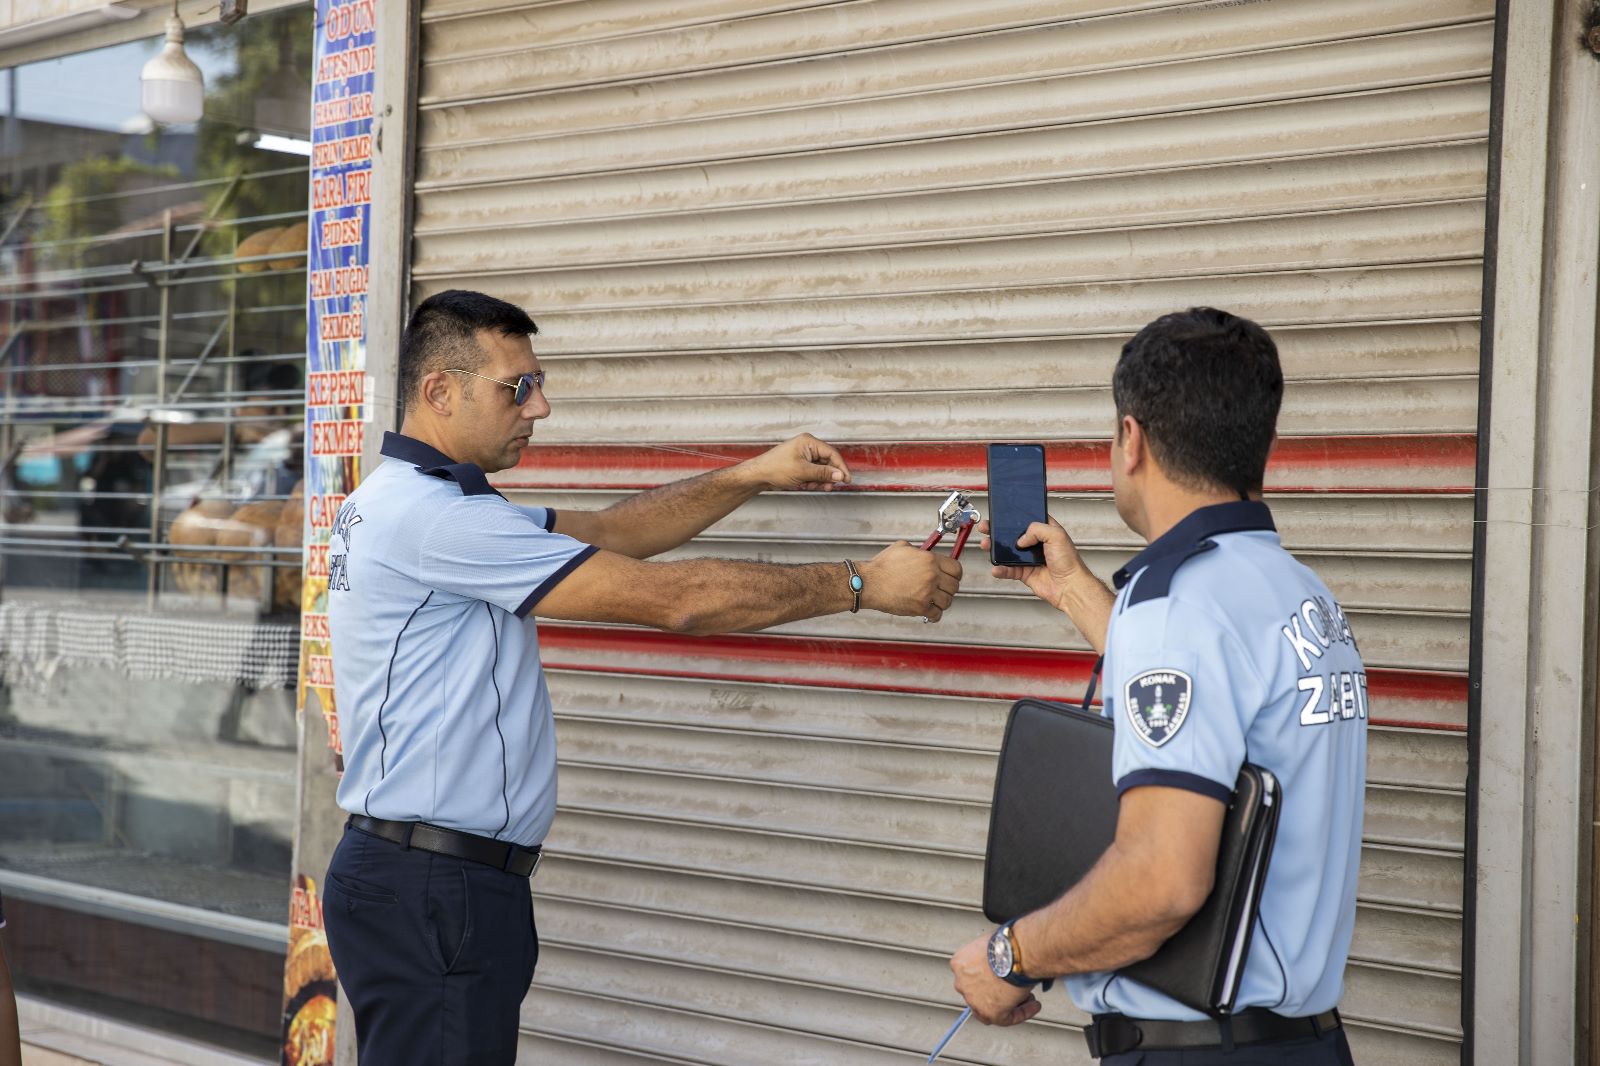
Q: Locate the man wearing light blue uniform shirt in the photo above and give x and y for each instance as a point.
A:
(1219, 648)
(438, 657)
(434, 580)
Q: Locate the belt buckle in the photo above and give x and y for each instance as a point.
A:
(1091, 1036)
(1113, 1034)
(512, 851)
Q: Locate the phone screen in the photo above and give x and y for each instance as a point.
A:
(1016, 500)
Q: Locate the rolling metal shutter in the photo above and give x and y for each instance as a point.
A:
(912, 226)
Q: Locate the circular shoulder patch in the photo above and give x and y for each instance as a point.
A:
(1157, 703)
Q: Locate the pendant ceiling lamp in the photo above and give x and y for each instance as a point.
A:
(173, 89)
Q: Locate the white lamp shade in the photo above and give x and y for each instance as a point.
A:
(172, 88)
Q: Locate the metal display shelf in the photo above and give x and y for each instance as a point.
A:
(184, 368)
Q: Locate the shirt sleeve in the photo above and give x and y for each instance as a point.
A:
(543, 517)
(1184, 696)
(488, 549)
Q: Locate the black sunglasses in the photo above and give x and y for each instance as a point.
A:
(522, 388)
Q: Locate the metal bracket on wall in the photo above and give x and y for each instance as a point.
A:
(233, 11)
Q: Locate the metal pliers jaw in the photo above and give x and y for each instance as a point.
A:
(958, 516)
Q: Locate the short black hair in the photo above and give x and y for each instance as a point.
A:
(1205, 386)
(443, 332)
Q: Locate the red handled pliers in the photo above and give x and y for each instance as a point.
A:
(958, 516)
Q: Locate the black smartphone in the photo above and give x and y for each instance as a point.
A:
(1016, 501)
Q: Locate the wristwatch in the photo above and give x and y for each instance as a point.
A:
(1005, 957)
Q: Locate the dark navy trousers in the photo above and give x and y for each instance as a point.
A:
(434, 953)
(1329, 1049)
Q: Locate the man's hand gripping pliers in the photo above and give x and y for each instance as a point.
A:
(958, 516)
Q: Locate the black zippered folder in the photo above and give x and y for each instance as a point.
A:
(1054, 814)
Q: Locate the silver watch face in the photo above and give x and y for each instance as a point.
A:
(1000, 957)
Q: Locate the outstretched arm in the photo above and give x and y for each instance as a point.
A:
(727, 596)
(666, 517)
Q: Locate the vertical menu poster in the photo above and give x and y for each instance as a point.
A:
(338, 404)
(336, 356)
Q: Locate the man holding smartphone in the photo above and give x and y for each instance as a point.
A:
(1218, 647)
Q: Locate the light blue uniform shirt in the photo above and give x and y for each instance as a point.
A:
(441, 697)
(1224, 649)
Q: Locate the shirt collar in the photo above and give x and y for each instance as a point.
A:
(413, 451)
(434, 463)
(1235, 516)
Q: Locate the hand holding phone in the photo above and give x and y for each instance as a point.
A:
(1016, 501)
(1063, 569)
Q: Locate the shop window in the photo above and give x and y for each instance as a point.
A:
(152, 355)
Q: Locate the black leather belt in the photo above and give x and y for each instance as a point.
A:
(512, 858)
(1115, 1034)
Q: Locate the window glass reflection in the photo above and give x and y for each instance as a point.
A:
(152, 353)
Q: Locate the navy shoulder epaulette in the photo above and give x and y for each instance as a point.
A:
(469, 476)
(1155, 580)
